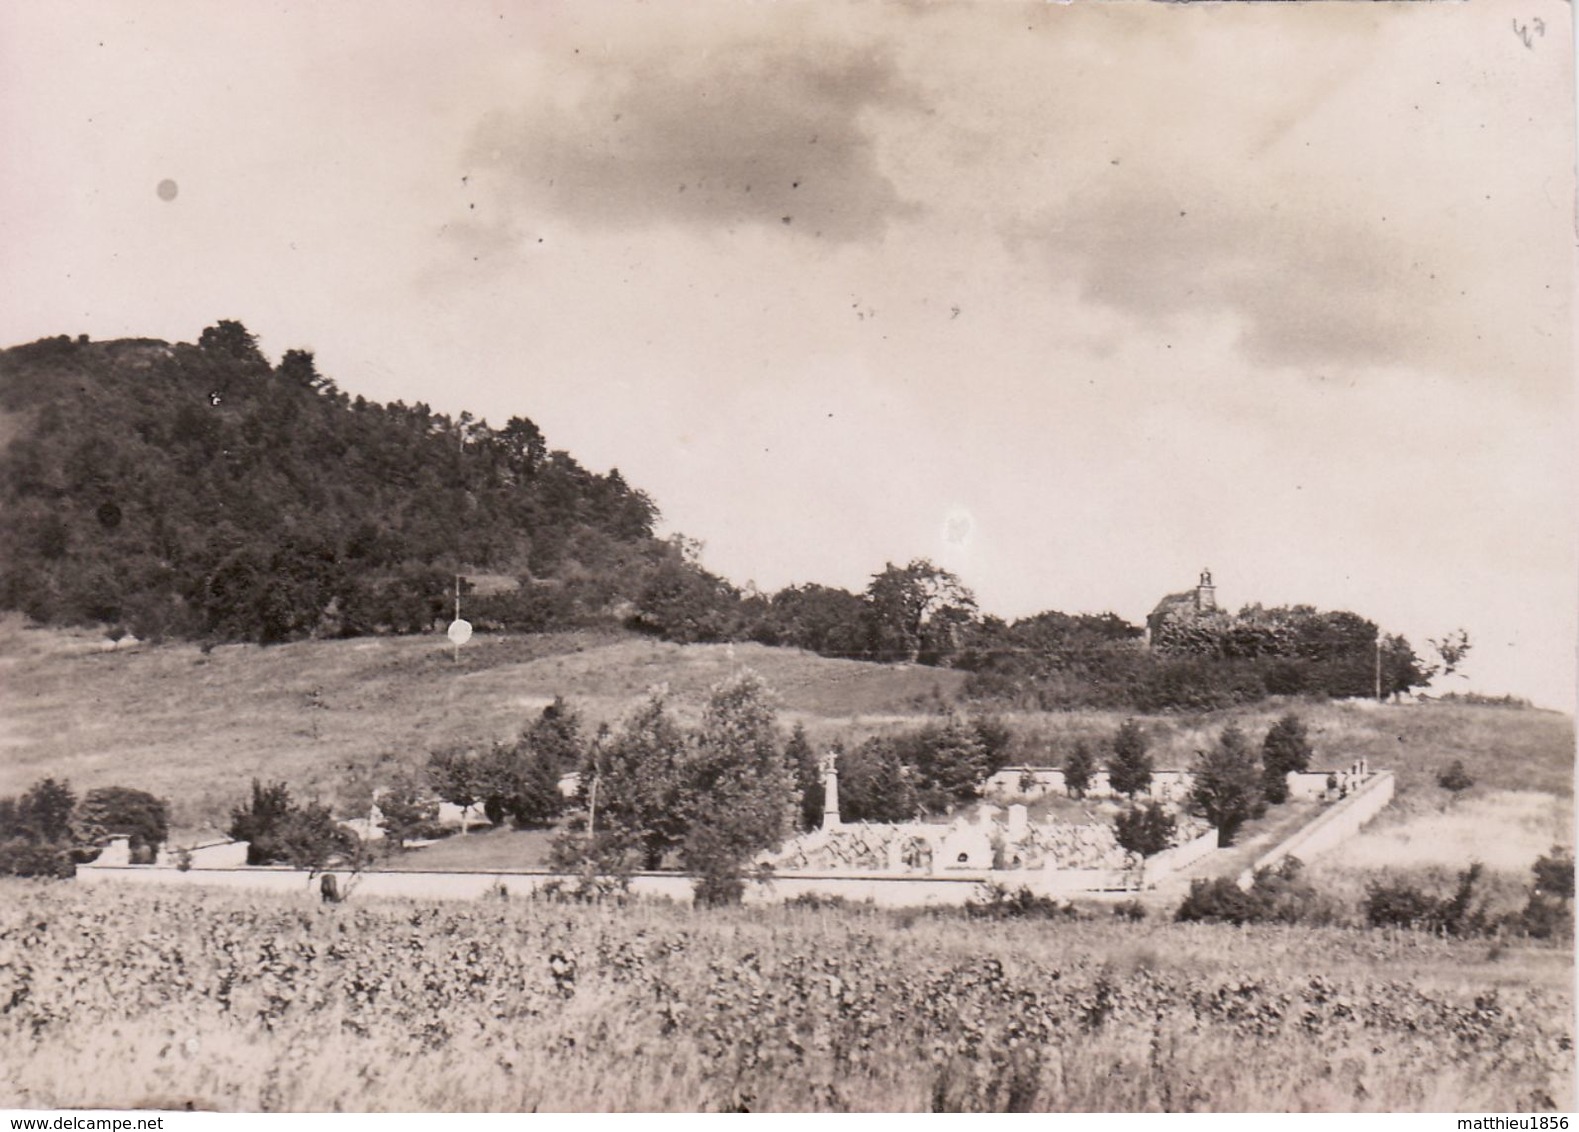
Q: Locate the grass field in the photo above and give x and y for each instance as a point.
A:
(218, 1000)
(195, 726)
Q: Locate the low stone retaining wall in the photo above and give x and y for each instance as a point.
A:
(881, 889)
(1170, 861)
(1331, 828)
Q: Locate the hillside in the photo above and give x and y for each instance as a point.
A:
(196, 726)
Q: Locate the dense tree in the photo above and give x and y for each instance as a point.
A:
(875, 785)
(713, 796)
(739, 789)
(995, 737)
(45, 812)
(110, 811)
(683, 602)
(1129, 766)
(1285, 749)
(230, 340)
(280, 832)
(258, 820)
(406, 810)
(635, 783)
(949, 760)
(1401, 668)
(37, 835)
(1227, 784)
(456, 776)
(822, 619)
(918, 608)
(556, 736)
(1055, 661)
(308, 837)
(535, 798)
(1554, 873)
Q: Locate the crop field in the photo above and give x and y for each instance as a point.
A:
(228, 1002)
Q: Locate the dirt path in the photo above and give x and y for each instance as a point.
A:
(1255, 838)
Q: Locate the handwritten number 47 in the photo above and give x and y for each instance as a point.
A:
(1528, 32)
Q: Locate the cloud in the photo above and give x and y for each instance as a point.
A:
(1306, 286)
(755, 131)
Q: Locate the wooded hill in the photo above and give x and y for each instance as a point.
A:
(199, 492)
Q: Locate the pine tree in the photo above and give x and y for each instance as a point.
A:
(1129, 770)
(1227, 788)
(1078, 769)
(799, 754)
(537, 800)
(1286, 748)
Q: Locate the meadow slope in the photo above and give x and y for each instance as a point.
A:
(195, 726)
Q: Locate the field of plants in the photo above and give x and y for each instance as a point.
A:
(217, 1000)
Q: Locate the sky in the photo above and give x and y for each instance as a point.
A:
(1074, 300)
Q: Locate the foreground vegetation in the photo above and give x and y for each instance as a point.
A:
(221, 1001)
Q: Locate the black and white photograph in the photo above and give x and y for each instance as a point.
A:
(808, 556)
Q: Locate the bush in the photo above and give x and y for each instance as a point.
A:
(1146, 830)
(1398, 904)
(1403, 905)
(1554, 874)
(1275, 896)
(1287, 899)
(815, 901)
(998, 903)
(720, 886)
(1131, 910)
(20, 857)
(1217, 901)
(587, 888)
(1543, 918)
(1455, 777)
